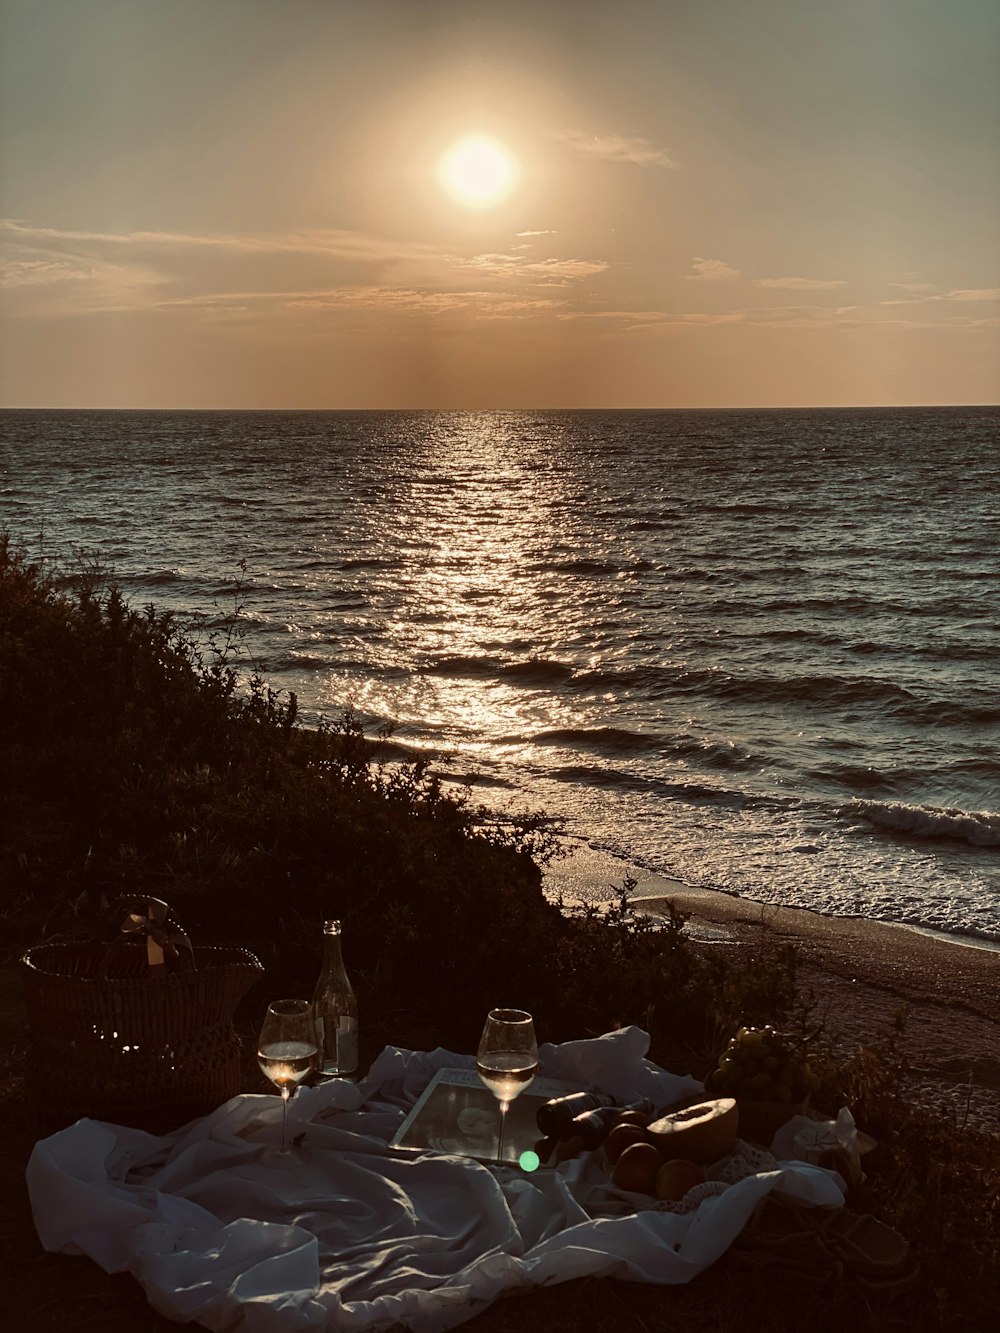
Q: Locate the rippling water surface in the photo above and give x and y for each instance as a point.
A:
(756, 650)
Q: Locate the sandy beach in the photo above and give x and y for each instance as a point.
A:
(858, 973)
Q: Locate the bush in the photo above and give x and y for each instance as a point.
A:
(134, 760)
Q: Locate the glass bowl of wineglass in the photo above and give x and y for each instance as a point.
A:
(287, 1053)
(507, 1059)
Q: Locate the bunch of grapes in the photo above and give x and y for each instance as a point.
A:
(761, 1064)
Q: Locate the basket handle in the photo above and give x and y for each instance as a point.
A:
(134, 917)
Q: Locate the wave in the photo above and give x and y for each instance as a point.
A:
(537, 670)
(164, 577)
(614, 739)
(619, 740)
(459, 665)
(241, 501)
(583, 567)
(693, 793)
(662, 681)
(684, 791)
(530, 670)
(856, 777)
(825, 689)
(977, 828)
(369, 562)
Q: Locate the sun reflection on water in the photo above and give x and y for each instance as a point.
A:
(482, 515)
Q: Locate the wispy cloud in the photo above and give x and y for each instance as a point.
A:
(258, 282)
(974, 294)
(547, 271)
(711, 270)
(329, 243)
(911, 283)
(959, 294)
(485, 304)
(40, 272)
(800, 284)
(617, 321)
(617, 148)
(638, 323)
(85, 271)
(536, 233)
(61, 272)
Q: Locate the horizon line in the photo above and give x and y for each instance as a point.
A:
(677, 407)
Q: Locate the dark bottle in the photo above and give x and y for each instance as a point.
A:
(554, 1117)
(593, 1127)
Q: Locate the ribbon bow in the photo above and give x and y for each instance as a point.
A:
(164, 938)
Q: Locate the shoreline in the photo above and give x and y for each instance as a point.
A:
(856, 974)
(887, 948)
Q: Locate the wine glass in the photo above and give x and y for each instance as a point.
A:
(507, 1060)
(287, 1053)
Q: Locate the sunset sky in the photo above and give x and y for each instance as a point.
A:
(239, 203)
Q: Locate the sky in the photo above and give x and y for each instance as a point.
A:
(239, 203)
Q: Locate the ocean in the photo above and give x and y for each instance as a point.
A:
(755, 650)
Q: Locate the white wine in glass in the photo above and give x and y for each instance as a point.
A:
(287, 1052)
(507, 1059)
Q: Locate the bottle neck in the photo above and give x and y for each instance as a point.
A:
(333, 959)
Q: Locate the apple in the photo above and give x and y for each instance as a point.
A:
(635, 1171)
(620, 1138)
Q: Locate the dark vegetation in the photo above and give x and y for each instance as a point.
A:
(137, 758)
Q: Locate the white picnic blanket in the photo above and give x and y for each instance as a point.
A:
(362, 1237)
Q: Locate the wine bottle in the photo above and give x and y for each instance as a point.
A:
(555, 1116)
(335, 1011)
(595, 1126)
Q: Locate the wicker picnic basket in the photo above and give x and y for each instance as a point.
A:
(111, 1039)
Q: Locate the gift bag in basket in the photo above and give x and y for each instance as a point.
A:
(136, 1029)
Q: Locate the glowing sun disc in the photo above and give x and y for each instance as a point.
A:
(478, 171)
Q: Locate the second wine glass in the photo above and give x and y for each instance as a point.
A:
(507, 1059)
(286, 1053)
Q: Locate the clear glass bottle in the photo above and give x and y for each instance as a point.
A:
(335, 1011)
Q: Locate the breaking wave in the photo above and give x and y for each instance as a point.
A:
(977, 828)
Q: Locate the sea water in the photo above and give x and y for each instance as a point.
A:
(756, 650)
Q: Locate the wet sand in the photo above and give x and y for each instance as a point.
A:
(857, 972)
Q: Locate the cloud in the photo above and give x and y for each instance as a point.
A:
(54, 272)
(328, 243)
(650, 321)
(974, 294)
(537, 272)
(959, 294)
(637, 315)
(40, 272)
(485, 304)
(617, 148)
(711, 270)
(806, 317)
(800, 284)
(536, 233)
(912, 285)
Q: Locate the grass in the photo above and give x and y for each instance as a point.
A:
(137, 759)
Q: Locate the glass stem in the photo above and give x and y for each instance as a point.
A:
(286, 1093)
(503, 1116)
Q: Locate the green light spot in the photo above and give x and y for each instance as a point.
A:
(529, 1161)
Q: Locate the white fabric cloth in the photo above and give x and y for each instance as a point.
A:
(362, 1237)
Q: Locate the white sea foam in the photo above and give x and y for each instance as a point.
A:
(978, 828)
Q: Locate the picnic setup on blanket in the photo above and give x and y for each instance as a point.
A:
(440, 1180)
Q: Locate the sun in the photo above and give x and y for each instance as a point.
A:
(478, 171)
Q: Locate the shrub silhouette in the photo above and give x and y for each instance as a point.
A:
(137, 759)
